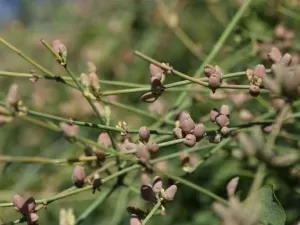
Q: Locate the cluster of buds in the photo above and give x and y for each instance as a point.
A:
(70, 131)
(157, 76)
(61, 50)
(91, 81)
(189, 130)
(26, 208)
(78, 178)
(255, 79)
(287, 78)
(214, 75)
(221, 118)
(122, 125)
(285, 35)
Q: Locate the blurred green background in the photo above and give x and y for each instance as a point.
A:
(106, 32)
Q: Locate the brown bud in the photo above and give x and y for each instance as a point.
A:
(104, 140)
(189, 140)
(222, 121)
(147, 193)
(78, 176)
(18, 202)
(157, 184)
(32, 218)
(199, 130)
(254, 90)
(144, 134)
(187, 125)
(155, 72)
(170, 192)
(177, 132)
(13, 95)
(225, 110)
(95, 84)
(214, 82)
(152, 146)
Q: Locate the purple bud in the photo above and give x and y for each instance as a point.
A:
(147, 193)
(29, 206)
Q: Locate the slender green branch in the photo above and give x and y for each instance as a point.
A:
(152, 212)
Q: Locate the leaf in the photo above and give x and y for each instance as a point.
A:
(272, 212)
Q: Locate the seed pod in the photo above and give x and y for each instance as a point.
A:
(187, 125)
(155, 72)
(152, 146)
(225, 110)
(199, 130)
(274, 55)
(259, 71)
(189, 140)
(13, 97)
(85, 80)
(213, 115)
(104, 140)
(177, 132)
(147, 193)
(78, 176)
(170, 192)
(144, 134)
(32, 218)
(231, 186)
(29, 206)
(254, 90)
(95, 84)
(18, 202)
(157, 184)
(222, 121)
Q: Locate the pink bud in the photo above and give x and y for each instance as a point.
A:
(222, 121)
(18, 202)
(184, 158)
(231, 186)
(225, 110)
(32, 218)
(104, 140)
(144, 134)
(91, 67)
(157, 184)
(199, 130)
(152, 146)
(13, 95)
(213, 115)
(189, 140)
(170, 192)
(78, 176)
(254, 90)
(95, 84)
(187, 125)
(155, 72)
(274, 55)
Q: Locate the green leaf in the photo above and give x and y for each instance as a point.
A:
(272, 212)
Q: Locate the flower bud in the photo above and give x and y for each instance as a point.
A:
(60, 49)
(104, 140)
(18, 202)
(155, 72)
(29, 206)
(143, 154)
(214, 82)
(130, 145)
(134, 221)
(91, 67)
(144, 134)
(177, 132)
(170, 192)
(274, 55)
(187, 125)
(13, 95)
(145, 178)
(184, 158)
(189, 140)
(209, 70)
(259, 71)
(78, 176)
(95, 84)
(69, 130)
(222, 121)
(32, 218)
(147, 193)
(224, 131)
(157, 184)
(199, 131)
(152, 146)
(213, 115)
(225, 110)
(254, 90)
(286, 60)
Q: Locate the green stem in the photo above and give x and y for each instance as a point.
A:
(152, 212)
